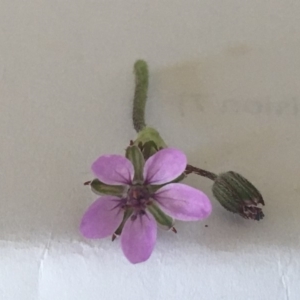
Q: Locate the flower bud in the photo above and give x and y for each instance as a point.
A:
(148, 149)
(238, 195)
(150, 134)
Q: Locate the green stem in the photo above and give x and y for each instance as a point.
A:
(191, 169)
(140, 94)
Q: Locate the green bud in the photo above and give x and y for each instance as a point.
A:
(150, 134)
(101, 188)
(148, 149)
(161, 218)
(134, 154)
(238, 195)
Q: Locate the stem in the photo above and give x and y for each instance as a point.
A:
(191, 169)
(140, 94)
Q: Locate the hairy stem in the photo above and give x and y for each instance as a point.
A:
(140, 94)
(191, 169)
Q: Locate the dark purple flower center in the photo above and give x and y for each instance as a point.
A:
(138, 196)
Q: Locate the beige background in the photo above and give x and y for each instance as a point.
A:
(224, 88)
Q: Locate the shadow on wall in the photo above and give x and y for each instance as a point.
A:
(243, 115)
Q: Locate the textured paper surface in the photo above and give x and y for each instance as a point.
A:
(224, 88)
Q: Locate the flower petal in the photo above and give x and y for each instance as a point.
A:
(113, 169)
(164, 166)
(102, 218)
(183, 202)
(138, 238)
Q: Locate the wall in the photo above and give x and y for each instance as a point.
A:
(224, 88)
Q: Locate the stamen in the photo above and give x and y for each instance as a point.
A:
(133, 217)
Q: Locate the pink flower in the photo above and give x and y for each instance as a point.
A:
(138, 235)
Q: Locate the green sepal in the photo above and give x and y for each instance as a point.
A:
(178, 179)
(148, 149)
(161, 218)
(150, 134)
(134, 154)
(127, 213)
(101, 188)
(154, 188)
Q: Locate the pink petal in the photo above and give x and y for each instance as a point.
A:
(183, 202)
(113, 169)
(138, 238)
(164, 166)
(102, 218)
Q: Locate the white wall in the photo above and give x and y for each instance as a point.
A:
(224, 88)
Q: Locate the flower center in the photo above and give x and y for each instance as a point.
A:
(138, 197)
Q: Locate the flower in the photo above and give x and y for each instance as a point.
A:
(146, 197)
(238, 195)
